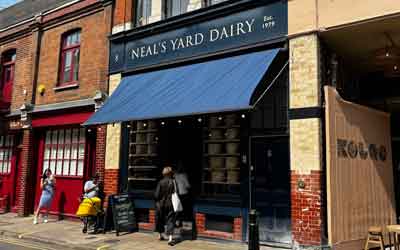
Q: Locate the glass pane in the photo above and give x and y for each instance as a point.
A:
(81, 151)
(60, 152)
(7, 141)
(82, 135)
(1, 154)
(80, 168)
(53, 152)
(67, 66)
(68, 40)
(53, 166)
(74, 152)
(11, 140)
(1, 141)
(68, 136)
(75, 133)
(217, 1)
(59, 167)
(144, 10)
(65, 169)
(47, 152)
(45, 165)
(48, 137)
(76, 65)
(54, 137)
(67, 153)
(61, 137)
(72, 170)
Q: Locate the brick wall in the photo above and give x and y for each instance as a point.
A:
(202, 230)
(93, 62)
(25, 192)
(100, 151)
(152, 221)
(111, 177)
(23, 69)
(307, 210)
(306, 151)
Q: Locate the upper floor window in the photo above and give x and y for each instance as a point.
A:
(70, 49)
(7, 77)
(149, 11)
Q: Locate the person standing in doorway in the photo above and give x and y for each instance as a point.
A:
(165, 215)
(183, 185)
(47, 184)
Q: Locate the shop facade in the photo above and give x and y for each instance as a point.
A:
(209, 97)
(56, 88)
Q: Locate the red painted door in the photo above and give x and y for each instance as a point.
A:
(65, 152)
(8, 77)
(8, 162)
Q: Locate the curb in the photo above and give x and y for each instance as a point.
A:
(14, 235)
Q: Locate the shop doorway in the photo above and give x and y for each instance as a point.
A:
(271, 188)
(68, 152)
(181, 148)
(8, 171)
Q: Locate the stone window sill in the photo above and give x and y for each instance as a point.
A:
(66, 87)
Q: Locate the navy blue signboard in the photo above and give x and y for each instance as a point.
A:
(240, 29)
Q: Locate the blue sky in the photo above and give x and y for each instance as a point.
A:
(6, 3)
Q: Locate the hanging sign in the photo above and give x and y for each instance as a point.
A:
(240, 29)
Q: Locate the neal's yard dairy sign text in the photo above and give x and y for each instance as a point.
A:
(240, 29)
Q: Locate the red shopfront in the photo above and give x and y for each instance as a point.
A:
(68, 149)
(9, 155)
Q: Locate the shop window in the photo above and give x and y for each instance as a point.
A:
(149, 11)
(6, 148)
(7, 78)
(64, 151)
(222, 157)
(69, 65)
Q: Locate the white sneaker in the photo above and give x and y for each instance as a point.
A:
(35, 220)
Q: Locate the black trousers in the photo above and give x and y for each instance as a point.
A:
(165, 217)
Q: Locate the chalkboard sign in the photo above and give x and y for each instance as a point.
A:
(123, 210)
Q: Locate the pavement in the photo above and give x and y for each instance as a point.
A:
(66, 234)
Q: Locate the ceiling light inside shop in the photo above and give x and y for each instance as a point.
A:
(199, 120)
(162, 123)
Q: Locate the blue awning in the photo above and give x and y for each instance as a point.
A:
(210, 87)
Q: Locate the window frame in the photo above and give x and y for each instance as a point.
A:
(8, 59)
(53, 146)
(64, 49)
(166, 10)
(7, 150)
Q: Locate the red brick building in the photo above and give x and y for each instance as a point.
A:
(57, 56)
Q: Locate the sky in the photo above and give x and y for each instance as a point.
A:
(6, 3)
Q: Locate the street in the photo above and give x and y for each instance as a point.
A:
(14, 244)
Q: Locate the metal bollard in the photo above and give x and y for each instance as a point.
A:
(254, 243)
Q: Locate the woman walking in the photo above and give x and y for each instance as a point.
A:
(47, 184)
(165, 215)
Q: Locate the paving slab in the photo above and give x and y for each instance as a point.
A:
(69, 234)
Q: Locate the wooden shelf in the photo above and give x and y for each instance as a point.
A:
(143, 131)
(222, 127)
(141, 179)
(143, 167)
(225, 169)
(220, 155)
(221, 183)
(221, 140)
(143, 155)
(143, 143)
